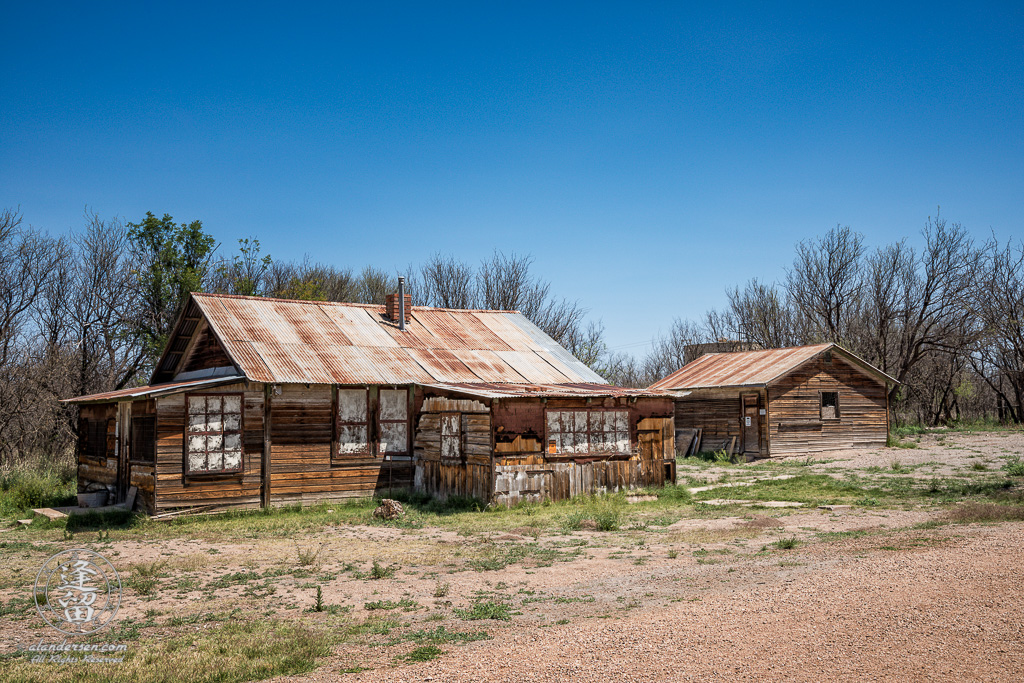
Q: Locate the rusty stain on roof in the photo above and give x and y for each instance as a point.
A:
(752, 368)
(285, 341)
(156, 390)
(570, 390)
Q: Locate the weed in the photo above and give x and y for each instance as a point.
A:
(1014, 466)
(308, 556)
(379, 571)
(441, 589)
(969, 512)
(318, 605)
(673, 554)
(424, 653)
(786, 543)
(486, 609)
(405, 603)
(440, 635)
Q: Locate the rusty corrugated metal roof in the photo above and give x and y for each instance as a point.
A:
(157, 390)
(752, 368)
(285, 341)
(571, 390)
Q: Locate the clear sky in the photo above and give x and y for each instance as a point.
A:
(647, 155)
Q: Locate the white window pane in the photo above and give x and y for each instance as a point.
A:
(214, 423)
(393, 437)
(622, 442)
(232, 442)
(197, 423)
(621, 421)
(232, 460)
(394, 404)
(232, 404)
(232, 423)
(450, 447)
(600, 442)
(581, 442)
(554, 421)
(214, 443)
(215, 461)
(214, 404)
(449, 425)
(196, 462)
(352, 439)
(352, 405)
(197, 444)
(581, 421)
(196, 405)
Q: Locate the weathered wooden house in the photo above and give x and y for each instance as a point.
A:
(260, 402)
(781, 401)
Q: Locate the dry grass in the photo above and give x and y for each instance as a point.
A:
(761, 522)
(970, 512)
(707, 536)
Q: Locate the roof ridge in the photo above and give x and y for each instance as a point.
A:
(217, 295)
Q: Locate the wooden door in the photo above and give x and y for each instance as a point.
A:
(751, 417)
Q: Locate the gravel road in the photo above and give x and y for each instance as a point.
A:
(944, 605)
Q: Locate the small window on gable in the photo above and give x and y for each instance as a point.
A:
(353, 422)
(214, 439)
(394, 422)
(830, 405)
(451, 436)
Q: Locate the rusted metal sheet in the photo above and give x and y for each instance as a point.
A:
(150, 391)
(578, 390)
(752, 368)
(530, 365)
(273, 340)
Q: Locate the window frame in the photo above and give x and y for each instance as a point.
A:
(236, 471)
(132, 456)
(821, 406)
(337, 424)
(590, 411)
(458, 436)
(103, 429)
(380, 421)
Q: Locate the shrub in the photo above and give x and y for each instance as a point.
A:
(1014, 466)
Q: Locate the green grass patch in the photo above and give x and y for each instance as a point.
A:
(486, 609)
(424, 653)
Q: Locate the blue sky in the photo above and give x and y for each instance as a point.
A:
(647, 156)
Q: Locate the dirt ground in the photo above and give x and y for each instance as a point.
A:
(865, 592)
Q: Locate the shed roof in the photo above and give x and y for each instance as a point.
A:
(754, 368)
(318, 342)
(155, 390)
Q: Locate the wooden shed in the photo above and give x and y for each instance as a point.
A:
(259, 402)
(799, 400)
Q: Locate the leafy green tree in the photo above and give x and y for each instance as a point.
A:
(172, 260)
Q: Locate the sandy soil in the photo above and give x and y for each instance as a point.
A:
(707, 597)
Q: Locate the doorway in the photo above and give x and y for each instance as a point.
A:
(751, 419)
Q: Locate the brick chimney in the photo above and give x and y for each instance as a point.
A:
(398, 307)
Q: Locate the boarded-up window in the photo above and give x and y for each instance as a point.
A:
(829, 405)
(394, 422)
(144, 438)
(214, 433)
(353, 422)
(591, 432)
(451, 436)
(93, 443)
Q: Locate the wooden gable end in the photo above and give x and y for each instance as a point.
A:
(192, 346)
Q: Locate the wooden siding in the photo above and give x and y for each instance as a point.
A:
(794, 408)
(718, 413)
(174, 489)
(301, 464)
(143, 475)
(471, 475)
(205, 353)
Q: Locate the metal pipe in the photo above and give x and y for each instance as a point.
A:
(401, 303)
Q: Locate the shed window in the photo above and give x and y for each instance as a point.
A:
(593, 432)
(94, 439)
(144, 438)
(451, 436)
(830, 405)
(394, 422)
(214, 433)
(353, 422)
